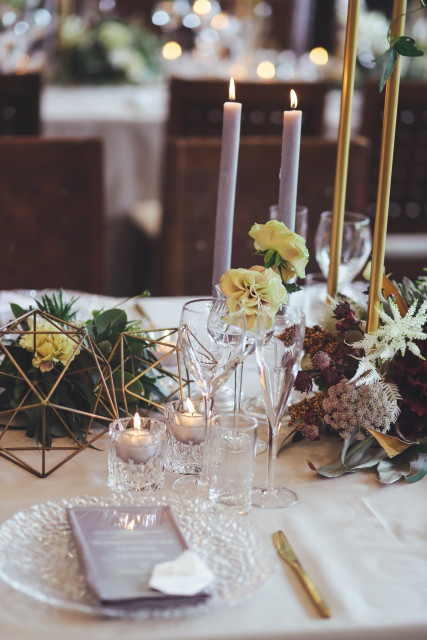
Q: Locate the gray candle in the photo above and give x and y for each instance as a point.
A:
(289, 164)
(226, 187)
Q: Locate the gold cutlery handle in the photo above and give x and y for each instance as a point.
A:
(312, 590)
(286, 552)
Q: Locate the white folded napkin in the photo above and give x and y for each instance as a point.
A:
(185, 576)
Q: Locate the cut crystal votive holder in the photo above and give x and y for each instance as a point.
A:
(186, 435)
(136, 457)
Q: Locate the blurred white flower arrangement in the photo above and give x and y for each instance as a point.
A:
(110, 51)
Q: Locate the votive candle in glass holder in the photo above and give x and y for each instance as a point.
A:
(186, 432)
(136, 458)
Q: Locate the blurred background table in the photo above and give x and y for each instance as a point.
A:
(130, 121)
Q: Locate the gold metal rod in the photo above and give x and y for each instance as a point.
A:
(344, 132)
(384, 177)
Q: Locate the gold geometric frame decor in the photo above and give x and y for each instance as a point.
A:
(138, 367)
(56, 384)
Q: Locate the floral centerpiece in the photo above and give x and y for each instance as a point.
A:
(107, 52)
(370, 389)
(60, 377)
(266, 287)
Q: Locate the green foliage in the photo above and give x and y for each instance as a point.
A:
(402, 46)
(56, 306)
(76, 389)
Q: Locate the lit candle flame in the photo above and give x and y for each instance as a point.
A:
(190, 405)
(136, 421)
(294, 99)
(232, 90)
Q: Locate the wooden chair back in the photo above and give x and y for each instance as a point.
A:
(196, 106)
(20, 104)
(51, 214)
(408, 194)
(191, 186)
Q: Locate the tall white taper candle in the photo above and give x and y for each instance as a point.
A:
(227, 186)
(291, 140)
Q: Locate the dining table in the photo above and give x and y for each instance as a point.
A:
(362, 543)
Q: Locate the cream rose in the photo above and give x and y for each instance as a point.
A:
(50, 348)
(256, 288)
(290, 246)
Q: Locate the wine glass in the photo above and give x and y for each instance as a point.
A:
(356, 245)
(212, 335)
(278, 351)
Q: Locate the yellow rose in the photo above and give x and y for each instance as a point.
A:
(289, 245)
(50, 348)
(256, 288)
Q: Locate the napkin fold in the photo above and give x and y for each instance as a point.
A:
(187, 575)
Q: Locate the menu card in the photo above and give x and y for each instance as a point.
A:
(120, 546)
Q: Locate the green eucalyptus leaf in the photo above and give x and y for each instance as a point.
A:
(420, 473)
(111, 320)
(357, 453)
(392, 469)
(377, 456)
(405, 46)
(347, 443)
(387, 61)
(334, 469)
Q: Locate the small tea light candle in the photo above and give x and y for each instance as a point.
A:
(136, 444)
(189, 426)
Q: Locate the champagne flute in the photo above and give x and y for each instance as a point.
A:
(278, 351)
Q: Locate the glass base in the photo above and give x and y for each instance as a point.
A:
(277, 498)
(191, 486)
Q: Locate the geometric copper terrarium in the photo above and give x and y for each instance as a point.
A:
(56, 392)
(147, 370)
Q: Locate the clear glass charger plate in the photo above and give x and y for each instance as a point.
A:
(39, 557)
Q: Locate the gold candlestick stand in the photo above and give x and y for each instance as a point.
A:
(384, 179)
(343, 146)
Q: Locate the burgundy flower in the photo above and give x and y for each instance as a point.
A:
(331, 376)
(303, 382)
(411, 378)
(321, 360)
(346, 316)
(311, 432)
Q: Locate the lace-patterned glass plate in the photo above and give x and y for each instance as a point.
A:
(39, 557)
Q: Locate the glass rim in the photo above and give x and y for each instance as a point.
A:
(211, 299)
(353, 216)
(120, 422)
(243, 416)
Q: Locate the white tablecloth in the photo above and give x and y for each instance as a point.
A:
(364, 544)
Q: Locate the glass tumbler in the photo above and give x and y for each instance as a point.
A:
(186, 434)
(136, 457)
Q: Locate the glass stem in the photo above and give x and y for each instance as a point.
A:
(205, 472)
(238, 379)
(271, 461)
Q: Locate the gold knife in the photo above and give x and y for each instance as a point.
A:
(285, 551)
